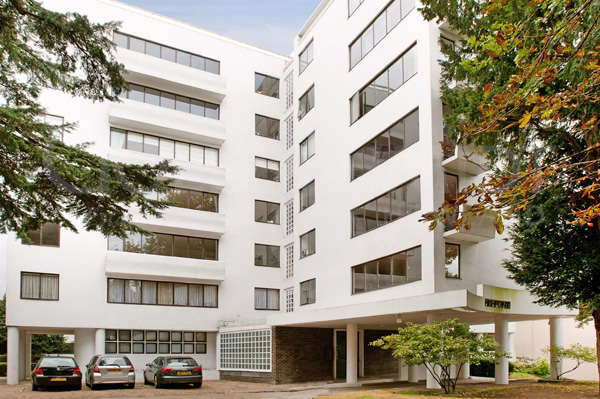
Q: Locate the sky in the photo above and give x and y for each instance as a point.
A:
(270, 24)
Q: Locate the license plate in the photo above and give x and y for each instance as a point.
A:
(58, 379)
(184, 373)
(114, 370)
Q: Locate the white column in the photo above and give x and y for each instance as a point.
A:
(351, 353)
(465, 372)
(556, 339)
(12, 358)
(27, 356)
(501, 336)
(85, 346)
(402, 370)
(22, 365)
(100, 340)
(413, 374)
(431, 382)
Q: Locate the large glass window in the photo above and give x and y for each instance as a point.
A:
(266, 85)
(48, 235)
(308, 244)
(306, 102)
(450, 195)
(307, 148)
(397, 269)
(389, 207)
(308, 292)
(384, 146)
(306, 56)
(266, 127)
(266, 169)
(378, 29)
(266, 299)
(189, 199)
(266, 212)
(162, 293)
(384, 84)
(41, 286)
(307, 195)
(266, 255)
(166, 245)
(171, 101)
(452, 262)
(166, 53)
(145, 341)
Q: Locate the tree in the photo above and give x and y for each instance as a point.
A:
(580, 354)
(443, 344)
(528, 93)
(43, 180)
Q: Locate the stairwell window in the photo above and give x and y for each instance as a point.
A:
(307, 195)
(307, 148)
(306, 102)
(306, 56)
(308, 244)
(308, 292)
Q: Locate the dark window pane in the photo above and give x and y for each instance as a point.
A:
(181, 198)
(273, 256)
(149, 245)
(180, 246)
(210, 202)
(412, 128)
(382, 148)
(399, 268)
(413, 262)
(196, 248)
(164, 244)
(51, 234)
(124, 335)
(358, 217)
(397, 138)
(196, 201)
(358, 273)
(357, 164)
(371, 275)
(260, 255)
(371, 215)
(370, 159)
(133, 243)
(385, 272)
(210, 249)
(383, 209)
(452, 261)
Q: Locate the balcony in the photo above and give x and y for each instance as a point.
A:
(163, 268)
(187, 222)
(465, 159)
(147, 118)
(170, 76)
(482, 228)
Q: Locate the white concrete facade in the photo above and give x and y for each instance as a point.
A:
(84, 264)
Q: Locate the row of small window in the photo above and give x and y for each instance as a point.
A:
(48, 235)
(268, 298)
(397, 269)
(387, 208)
(141, 341)
(166, 53)
(384, 146)
(394, 76)
(379, 28)
(128, 140)
(166, 245)
(188, 199)
(143, 292)
(172, 101)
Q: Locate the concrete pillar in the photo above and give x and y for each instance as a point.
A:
(501, 336)
(12, 358)
(22, 365)
(100, 341)
(556, 339)
(465, 372)
(85, 346)
(413, 374)
(431, 382)
(351, 353)
(28, 356)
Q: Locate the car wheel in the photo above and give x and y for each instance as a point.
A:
(197, 384)
(156, 383)
(34, 387)
(146, 382)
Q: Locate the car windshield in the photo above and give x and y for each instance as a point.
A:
(57, 362)
(181, 361)
(114, 360)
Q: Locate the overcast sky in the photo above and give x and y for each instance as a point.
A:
(271, 24)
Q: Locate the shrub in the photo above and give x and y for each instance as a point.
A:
(487, 368)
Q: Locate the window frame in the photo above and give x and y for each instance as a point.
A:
(172, 236)
(256, 158)
(267, 248)
(304, 99)
(267, 290)
(314, 233)
(458, 274)
(268, 118)
(268, 203)
(351, 12)
(300, 69)
(308, 302)
(267, 77)
(41, 237)
(307, 186)
(306, 139)
(39, 274)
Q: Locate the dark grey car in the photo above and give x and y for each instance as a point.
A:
(56, 371)
(173, 370)
(110, 369)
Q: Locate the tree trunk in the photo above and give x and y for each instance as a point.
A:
(596, 315)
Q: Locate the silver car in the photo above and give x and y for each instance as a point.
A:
(110, 369)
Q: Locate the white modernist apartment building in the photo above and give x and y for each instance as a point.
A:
(296, 237)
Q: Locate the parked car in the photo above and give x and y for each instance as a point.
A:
(173, 370)
(56, 371)
(110, 369)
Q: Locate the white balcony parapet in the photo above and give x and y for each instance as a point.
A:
(481, 229)
(466, 159)
(187, 222)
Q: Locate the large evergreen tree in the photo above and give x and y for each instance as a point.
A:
(43, 180)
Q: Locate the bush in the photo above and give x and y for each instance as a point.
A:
(2, 369)
(487, 368)
(3, 358)
(538, 367)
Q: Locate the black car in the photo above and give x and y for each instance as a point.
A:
(173, 370)
(56, 371)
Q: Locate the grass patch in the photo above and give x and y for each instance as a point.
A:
(524, 376)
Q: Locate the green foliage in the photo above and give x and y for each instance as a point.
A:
(444, 344)
(43, 179)
(538, 367)
(580, 354)
(485, 368)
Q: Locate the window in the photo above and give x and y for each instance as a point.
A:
(308, 292)
(266, 212)
(289, 217)
(289, 261)
(266, 85)
(144, 341)
(289, 131)
(450, 195)
(306, 56)
(48, 236)
(289, 91)
(289, 167)
(266, 127)
(266, 299)
(246, 350)
(306, 102)
(166, 53)
(189, 199)
(41, 286)
(353, 5)
(128, 140)
(289, 300)
(449, 146)
(400, 71)
(307, 148)
(266, 255)
(387, 208)
(378, 29)
(308, 244)
(171, 101)
(307, 195)
(266, 169)
(452, 262)
(384, 146)
(397, 269)
(141, 292)
(166, 245)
